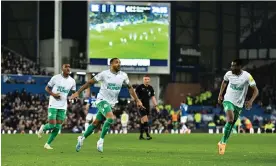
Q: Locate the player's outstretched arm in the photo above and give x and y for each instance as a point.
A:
(134, 95)
(222, 88)
(85, 86)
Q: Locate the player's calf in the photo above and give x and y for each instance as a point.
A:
(44, 128)
(54, 133)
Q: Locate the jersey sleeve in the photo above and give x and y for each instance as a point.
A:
(74, 88)
(99, 76)
(251, 80)
(51, 83)
(126, 80)
(225, 78)
(152, 93)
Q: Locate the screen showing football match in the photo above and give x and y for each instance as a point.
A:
(129, 30)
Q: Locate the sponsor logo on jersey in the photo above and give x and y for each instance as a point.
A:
(113, 86)
(62, 89)
(236, 87)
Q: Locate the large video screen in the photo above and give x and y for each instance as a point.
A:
(129, 30)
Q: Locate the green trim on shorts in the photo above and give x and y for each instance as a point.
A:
(103, 108)
(228, 106)
(56, 114)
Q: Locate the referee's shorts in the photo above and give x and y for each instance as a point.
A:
(144, 112)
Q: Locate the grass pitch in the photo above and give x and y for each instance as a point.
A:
(127, 150)
(155, 47)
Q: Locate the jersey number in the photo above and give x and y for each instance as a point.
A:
(93, 104)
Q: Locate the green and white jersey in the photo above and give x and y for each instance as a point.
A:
(111, 85)
(61, 85)
(237, 87)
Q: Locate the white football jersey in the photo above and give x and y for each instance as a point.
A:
(111, 85)
(237, 87)
(61, 85)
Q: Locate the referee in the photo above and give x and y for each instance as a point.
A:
(145, 92)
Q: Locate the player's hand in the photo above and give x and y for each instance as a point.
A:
(248, 105)
(56, 96)
(140, 104)
(74, 96)
(220, 99)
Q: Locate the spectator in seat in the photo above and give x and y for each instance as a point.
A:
(269, 127)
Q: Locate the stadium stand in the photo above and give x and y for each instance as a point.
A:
(13, 63)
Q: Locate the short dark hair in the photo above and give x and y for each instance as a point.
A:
(93, 94)
(146, 75)
(113, 59)
(238, 62)
(65, 64)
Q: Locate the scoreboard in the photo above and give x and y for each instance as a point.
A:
(110, 8)
(138, 33)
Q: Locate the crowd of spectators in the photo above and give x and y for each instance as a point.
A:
(23, 111)
(12, 63)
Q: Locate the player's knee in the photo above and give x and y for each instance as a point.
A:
(144, 119)
(95, 122)
(109, 115)
(230, 120)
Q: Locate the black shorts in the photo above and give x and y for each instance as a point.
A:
(144, 112)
